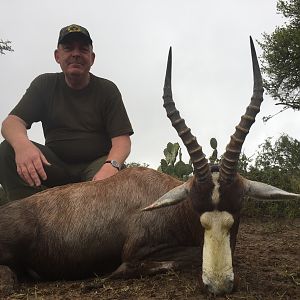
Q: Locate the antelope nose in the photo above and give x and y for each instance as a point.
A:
(229, 285)
(208, 288)
(226, 288)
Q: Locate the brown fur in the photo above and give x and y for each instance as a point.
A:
(231, 197)
(200, 194)
(77, 230)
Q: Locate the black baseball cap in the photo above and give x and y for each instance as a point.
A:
(74, 29)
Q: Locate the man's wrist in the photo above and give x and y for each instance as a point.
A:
(114, 163)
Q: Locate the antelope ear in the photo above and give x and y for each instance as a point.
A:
(263, 191)
(174, 196)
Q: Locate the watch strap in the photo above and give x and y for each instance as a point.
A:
(114, 163)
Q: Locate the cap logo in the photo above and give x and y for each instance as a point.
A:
(74, 28)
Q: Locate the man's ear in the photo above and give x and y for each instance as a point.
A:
(56, 56)
(93, 57)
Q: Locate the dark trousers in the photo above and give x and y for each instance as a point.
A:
(59, 173)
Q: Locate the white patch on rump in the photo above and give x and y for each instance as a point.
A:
(217, 271)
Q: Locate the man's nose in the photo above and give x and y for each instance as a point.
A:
(75, 52)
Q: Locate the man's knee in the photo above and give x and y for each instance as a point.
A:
(7, 159)
(6, 151)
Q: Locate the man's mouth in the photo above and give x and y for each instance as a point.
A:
(75, 64)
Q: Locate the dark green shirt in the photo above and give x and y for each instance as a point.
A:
(78, 124)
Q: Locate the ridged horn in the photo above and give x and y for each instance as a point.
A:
(228, 166)
(200, 163)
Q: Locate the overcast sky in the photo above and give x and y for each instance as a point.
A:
(212, 73)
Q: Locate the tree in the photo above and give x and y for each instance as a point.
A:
(5, 46)
(281, 57)
(278, 163)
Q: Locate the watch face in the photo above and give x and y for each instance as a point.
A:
(115, 164)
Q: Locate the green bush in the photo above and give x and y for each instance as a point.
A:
(278, 209)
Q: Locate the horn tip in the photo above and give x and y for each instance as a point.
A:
(148, 208)
(170, 53)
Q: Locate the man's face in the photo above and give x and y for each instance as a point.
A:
(75, 57)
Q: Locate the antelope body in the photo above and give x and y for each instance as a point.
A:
(78, 230)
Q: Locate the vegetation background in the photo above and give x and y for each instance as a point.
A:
(275, 162)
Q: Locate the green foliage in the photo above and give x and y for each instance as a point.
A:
(244, 164)
(182, 170)
(290, 10)
(136, 164)
(171, 153)
(278, 209)
(278, 163)
(171, 166)
(179, 169)
(5, 46)
(281, 57)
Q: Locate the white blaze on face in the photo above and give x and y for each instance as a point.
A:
(217, 272)
(215, 194)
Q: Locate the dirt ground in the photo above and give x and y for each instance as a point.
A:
(267, 263)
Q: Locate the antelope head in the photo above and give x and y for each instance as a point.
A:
(217, 192)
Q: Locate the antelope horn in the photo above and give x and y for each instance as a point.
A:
(228, 166)
(174, 196)
(200, 163)
(262, 191)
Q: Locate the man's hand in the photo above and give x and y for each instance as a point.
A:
(30, 161)
(106, 171)
(119, 151)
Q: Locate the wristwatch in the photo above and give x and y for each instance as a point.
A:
(114, 163)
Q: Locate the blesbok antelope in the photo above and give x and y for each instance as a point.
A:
(77, 230)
